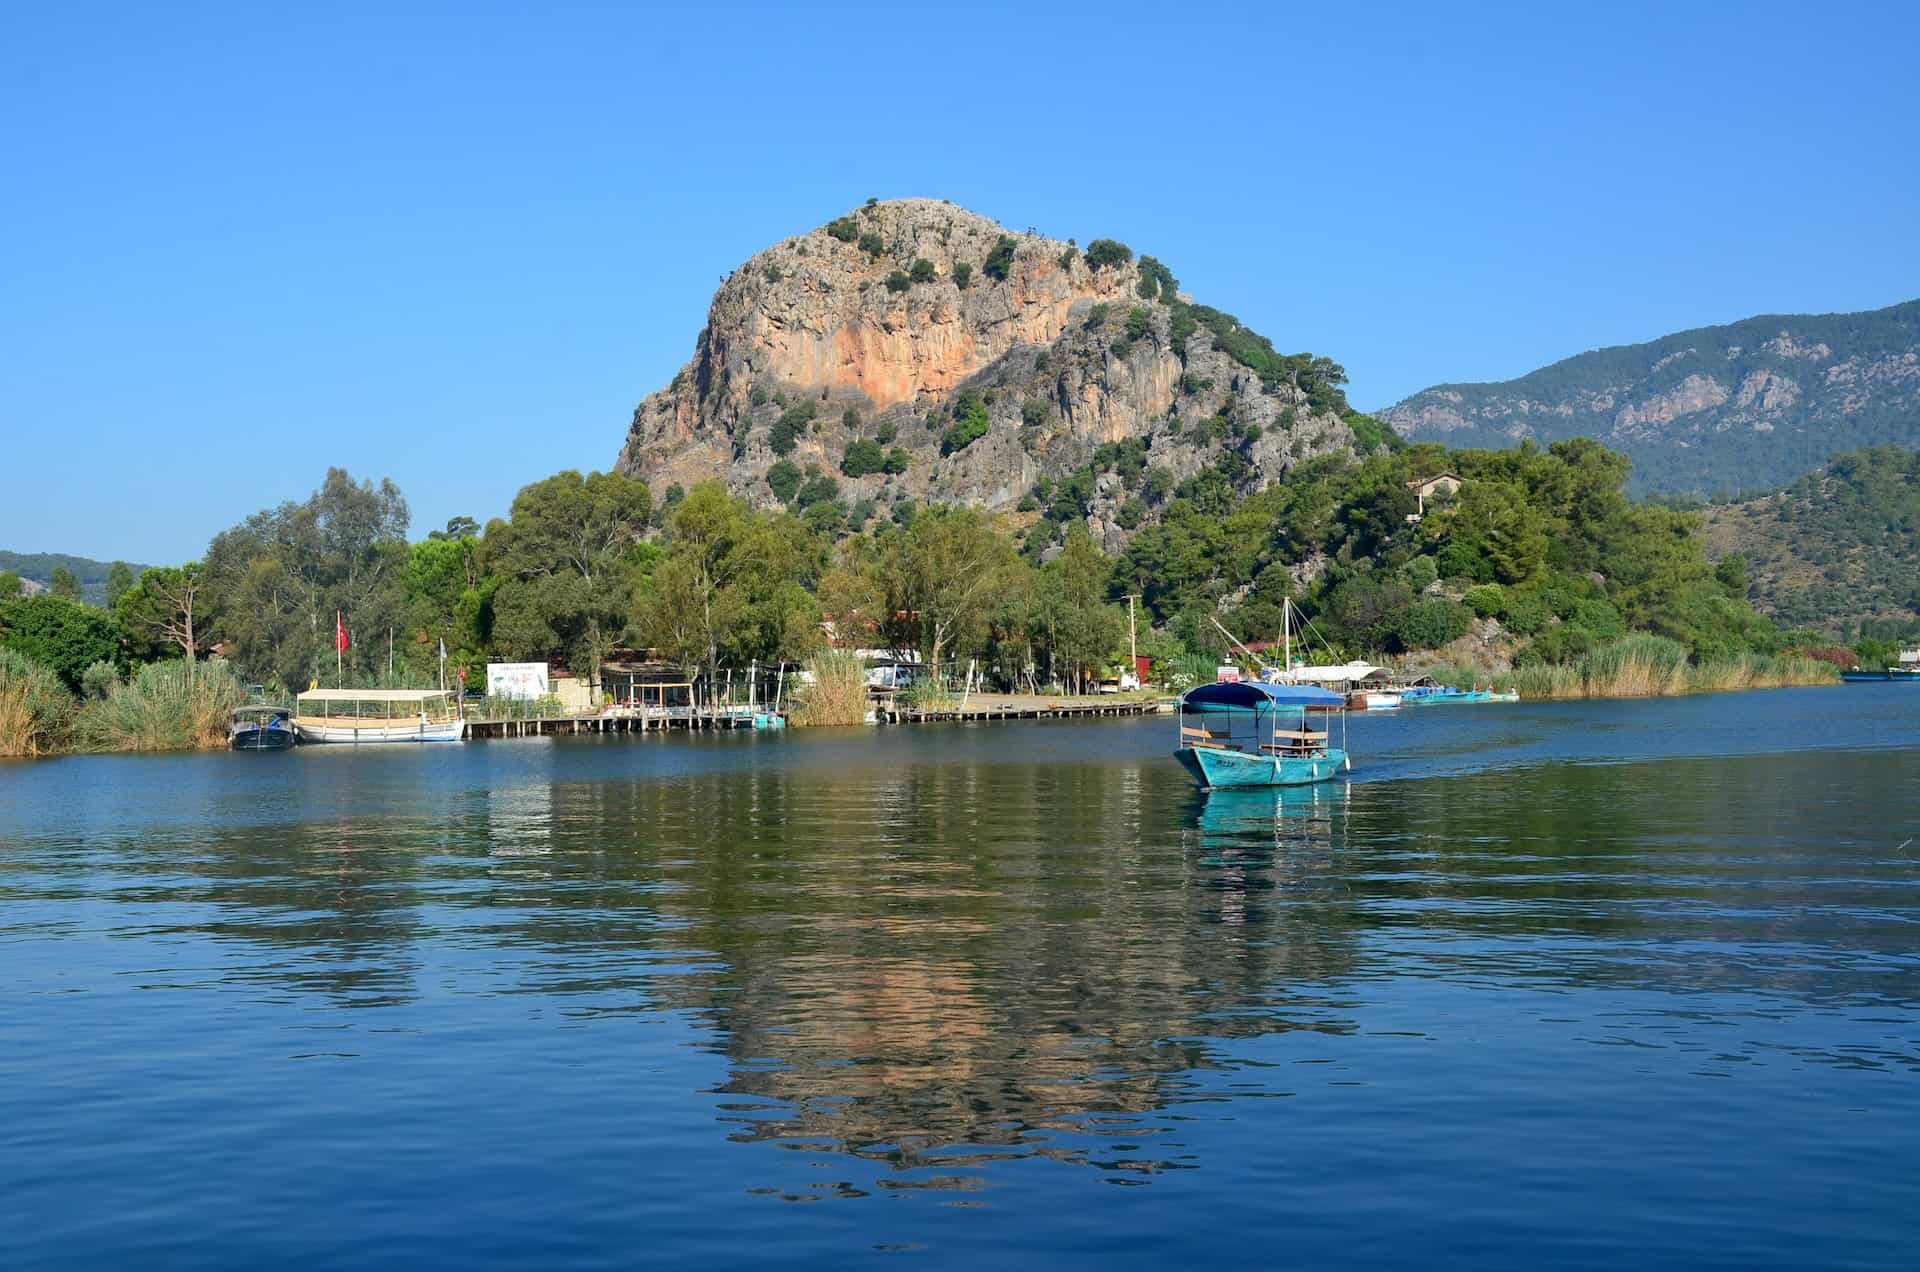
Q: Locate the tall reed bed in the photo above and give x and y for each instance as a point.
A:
(1645, 667)
(167, 706)
(36, 711)
(838, 694)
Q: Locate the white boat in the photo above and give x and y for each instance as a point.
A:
(1379, 699)
(362, 716)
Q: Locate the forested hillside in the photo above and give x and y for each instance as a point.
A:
(1713, 412)
(1837, 549)
(1539, 558)
(94, 580)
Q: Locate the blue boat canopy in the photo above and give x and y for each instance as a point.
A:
(1258, 695)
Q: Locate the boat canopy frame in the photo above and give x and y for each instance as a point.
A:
(1260, 702)
(437, 705)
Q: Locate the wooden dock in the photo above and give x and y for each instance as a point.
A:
(562, 726)
(1037, 711)
(567, 726)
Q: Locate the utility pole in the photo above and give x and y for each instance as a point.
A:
(1133, 647)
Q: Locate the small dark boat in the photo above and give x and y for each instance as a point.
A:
(260, 729)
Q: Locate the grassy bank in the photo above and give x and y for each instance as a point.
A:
(163, 707)
(36, 711)
(1645, 667)
(169, 706)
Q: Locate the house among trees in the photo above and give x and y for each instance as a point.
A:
(1425, 488)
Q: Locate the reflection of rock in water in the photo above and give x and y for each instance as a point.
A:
(983, 959)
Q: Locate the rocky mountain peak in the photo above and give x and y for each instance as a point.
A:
(914, 349)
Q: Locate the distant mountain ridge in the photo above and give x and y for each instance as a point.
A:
(37, 568)
(1714, 411)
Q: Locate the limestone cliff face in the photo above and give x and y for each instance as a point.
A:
(1715, 410)
(1064, 357)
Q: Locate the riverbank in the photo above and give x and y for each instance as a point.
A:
(1644, 667)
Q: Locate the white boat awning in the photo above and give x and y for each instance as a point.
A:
(373, 695)
(1352, 673)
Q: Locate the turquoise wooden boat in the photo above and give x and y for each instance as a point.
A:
(1894, 675)
(1256, 734)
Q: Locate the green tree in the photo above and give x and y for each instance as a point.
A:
(119, 582)
(1104, 252)
(457, 528)
(278, 578)
(783, 479)
(10, 585)
(945, 571)
(63, 584)
(1082, 629)
(167, 610)
(1431, 623)
(731, 583)
(60, 634)
(922, 271)
(567, 553)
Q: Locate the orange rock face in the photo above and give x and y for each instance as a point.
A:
(828, 332)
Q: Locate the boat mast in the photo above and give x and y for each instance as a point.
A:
(1286, 638)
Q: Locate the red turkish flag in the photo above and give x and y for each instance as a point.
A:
(339, 633)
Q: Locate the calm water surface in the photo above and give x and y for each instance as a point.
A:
(1580, 985)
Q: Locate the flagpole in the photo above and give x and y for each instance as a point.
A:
(339, 654)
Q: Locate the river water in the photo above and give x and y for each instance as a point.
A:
(1574, 985)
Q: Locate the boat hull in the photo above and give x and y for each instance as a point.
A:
(1880, 677)
(261, 739)
(1219, 768)
(1378, 701)
(445, 731)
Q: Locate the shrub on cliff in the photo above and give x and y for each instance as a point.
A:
(1104, 252)
(783, 478)
(870, 244)
(845, 228)
(1157, 281)
(922, 271)
(1000, 258)
(792, 422)
(970, 424)
(898, 282)
(863, 457)
(962, 275)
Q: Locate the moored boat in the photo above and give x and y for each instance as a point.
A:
(260, 729)
(1379, 699)
(1895, 675)
(360, 716)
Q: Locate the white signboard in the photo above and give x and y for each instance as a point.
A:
(517, 680)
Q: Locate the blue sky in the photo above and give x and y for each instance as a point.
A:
(455, 245)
